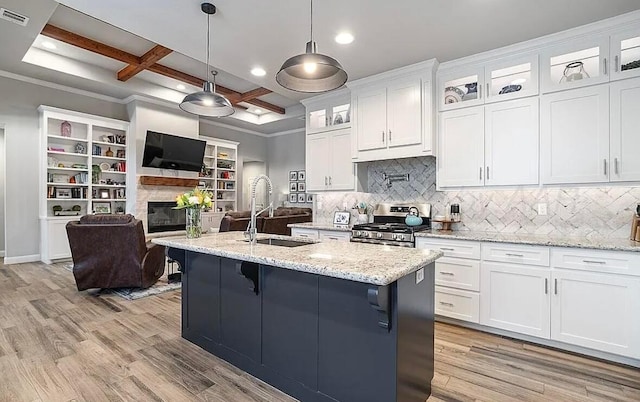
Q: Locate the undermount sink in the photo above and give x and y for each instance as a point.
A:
(282, 243)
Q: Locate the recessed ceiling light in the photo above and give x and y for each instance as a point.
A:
(258, 72)
(257, 111)
(49, 45)
(344, 38)
(181, 87)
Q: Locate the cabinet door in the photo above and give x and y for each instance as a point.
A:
(511, 142)
(575, 65)
(625, 130)
(201, 291)
(58, 242)
(574, 136)
(625, 53)
(597, 311)
(371, 125)
(404, 112)
(528, 313)
(240, 308)
(461, 89)
(341, 168)
(461, 142)
(317, 161)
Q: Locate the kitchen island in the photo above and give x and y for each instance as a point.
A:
(327, 322)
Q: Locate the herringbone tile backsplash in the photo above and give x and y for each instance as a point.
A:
(580, 211)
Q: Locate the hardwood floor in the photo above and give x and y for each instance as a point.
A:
(58, 344)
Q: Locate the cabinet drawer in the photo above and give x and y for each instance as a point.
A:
(458, 273)
(515, 254)
(305, 233)
(459, 304)
(451, 248)
(596, 261)
(328, 235)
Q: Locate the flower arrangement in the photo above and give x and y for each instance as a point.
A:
(195, 199)
(363, 208)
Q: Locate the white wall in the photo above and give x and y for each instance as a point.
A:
(2, 159)
(18, 112)
(286, 152)
(252, 148)
(250, 170)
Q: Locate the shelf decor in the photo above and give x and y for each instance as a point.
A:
(194, 202)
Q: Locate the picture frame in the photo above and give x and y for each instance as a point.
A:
(341, 219)
(120, 153)
(293, 175)
(302, 187)
(309, 198)
(63, 193)
(101, 208)
(104, 194)
(302, 175)
(301, 198)
(293, 187)
(293, 198)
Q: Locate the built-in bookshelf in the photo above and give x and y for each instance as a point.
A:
(220, 173)
(83, 171)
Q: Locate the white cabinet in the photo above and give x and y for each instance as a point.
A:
(55, 243)
(328, 112)
(574, 136)
(490, 145)
(321, 234)
(458, 304)
(461, 144)
(598, 311)
(461, 88)
(515, 298)
(393, 114)
(625, 53)
(576, 64)
(625, 128)
(328, 161)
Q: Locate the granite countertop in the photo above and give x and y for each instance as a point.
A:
(318, 226)
(368, 263)
(598, 243)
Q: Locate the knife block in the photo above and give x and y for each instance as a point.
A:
(635, 228)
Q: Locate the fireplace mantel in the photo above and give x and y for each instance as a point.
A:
(168, 181)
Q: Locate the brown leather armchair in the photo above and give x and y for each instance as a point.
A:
(278, 224)
(109, 251)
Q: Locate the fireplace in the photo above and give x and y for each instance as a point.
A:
(161, 217)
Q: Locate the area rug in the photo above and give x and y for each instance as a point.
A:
(161, 286)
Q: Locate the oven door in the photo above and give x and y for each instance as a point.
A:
(385, 242)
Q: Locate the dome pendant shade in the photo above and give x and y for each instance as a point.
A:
(207, 103)
(311, 72)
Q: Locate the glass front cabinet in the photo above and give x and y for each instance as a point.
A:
(462, 88)
(625, 53)
(332, 113)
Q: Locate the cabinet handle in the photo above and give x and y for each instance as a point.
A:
(447, 249)
(329, 180)
(479, 91)
(447, 304)
(605, 167)
(447, 273)
(617, 63)
(389, 135)
(594, 262)
(383, 136)
(488, 92)
(326, 181)
(546, 286)
(605, 66)
(615, 165)
(555, 286)
(514, 255)
(480, 173)
(487, 172)
(302, 235)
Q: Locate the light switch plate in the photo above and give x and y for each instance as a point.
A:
(419, 275)
(542, 209)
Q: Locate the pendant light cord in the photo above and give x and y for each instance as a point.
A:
(208, 43)
(311, 21)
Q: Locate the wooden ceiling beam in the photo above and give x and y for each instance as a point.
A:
(109, 51)
(151, 57)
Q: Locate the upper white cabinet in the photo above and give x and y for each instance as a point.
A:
(393, 114)
(625, 53)
(494, 145)
(574, 65)
(496, 81)
(625, 130)
(328, 142)
(574, 136)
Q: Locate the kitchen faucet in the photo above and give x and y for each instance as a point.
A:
(252, 230)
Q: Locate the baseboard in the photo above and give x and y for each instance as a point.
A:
(21, 259)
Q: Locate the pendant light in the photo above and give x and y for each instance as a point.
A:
(311, 71)
(208, 102)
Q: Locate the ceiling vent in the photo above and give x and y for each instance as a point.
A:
(13, 17)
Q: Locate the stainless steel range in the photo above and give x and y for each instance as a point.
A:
(388, 225)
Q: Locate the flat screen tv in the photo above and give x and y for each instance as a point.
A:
(166, 151)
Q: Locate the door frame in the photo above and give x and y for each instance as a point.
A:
(3, 127)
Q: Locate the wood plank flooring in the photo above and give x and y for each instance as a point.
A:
(58, 344)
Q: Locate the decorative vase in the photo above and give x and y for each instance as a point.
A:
(109, 153)
(194, 223)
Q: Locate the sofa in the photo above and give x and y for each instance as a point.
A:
(110, 251)
(278, 224)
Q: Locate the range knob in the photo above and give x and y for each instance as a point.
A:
(399, 237)
(394, 236)
(356, 234)
(366, 234)
(379, 235)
